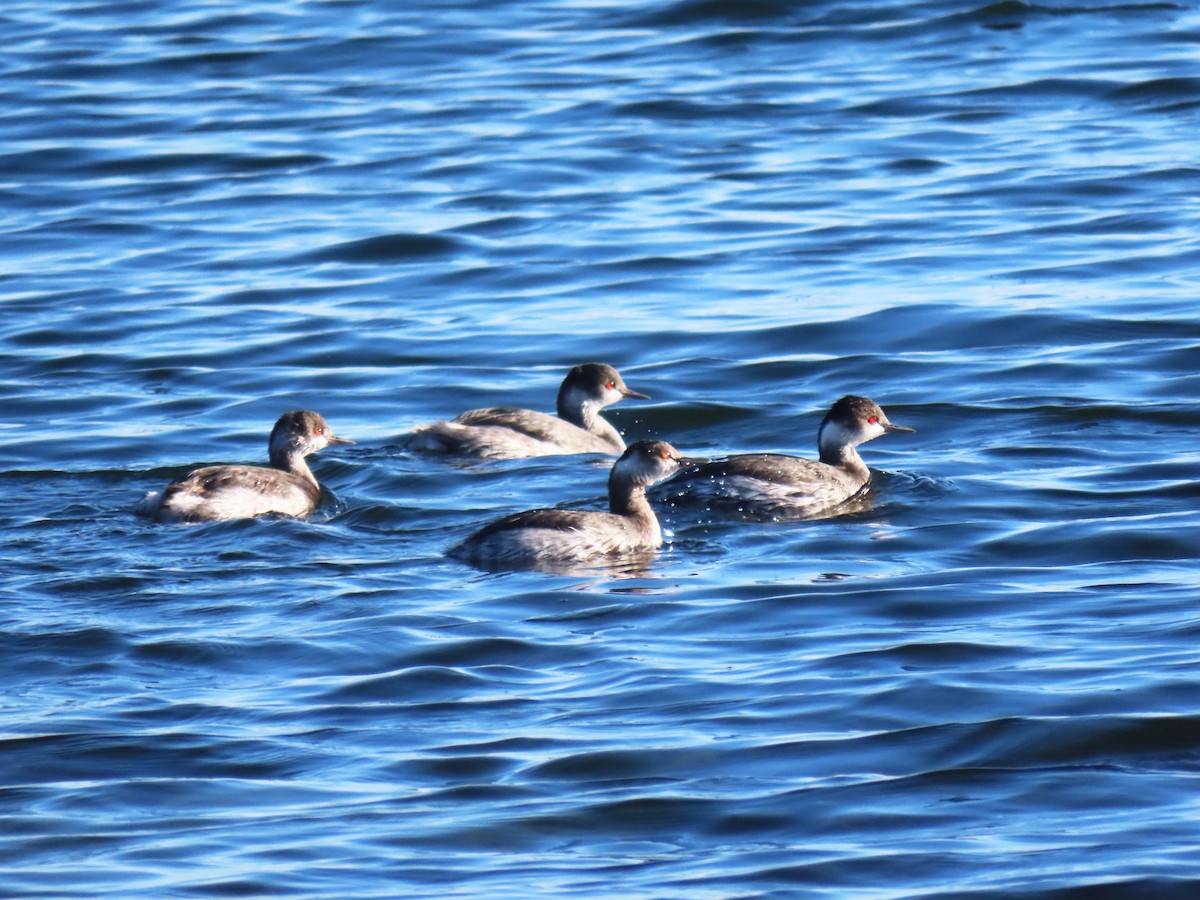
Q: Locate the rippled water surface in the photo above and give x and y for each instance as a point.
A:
(982, 682)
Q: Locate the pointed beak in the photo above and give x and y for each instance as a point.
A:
(334, 439)
(629, 392)
(686, 461)
(892, 429)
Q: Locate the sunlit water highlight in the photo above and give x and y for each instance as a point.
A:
(982, 682)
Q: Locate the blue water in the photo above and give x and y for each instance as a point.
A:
(983, 684)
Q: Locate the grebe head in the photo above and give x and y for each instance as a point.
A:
(301, 432)
(645, 463)
(594, 386)
(853, 421)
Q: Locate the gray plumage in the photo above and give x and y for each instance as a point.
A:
(572, 534)
(771, 482)
(234, 491)
(510, 433)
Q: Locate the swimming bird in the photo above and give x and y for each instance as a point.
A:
(547, 535)
(231, 492)
(771, 482)
(511, 433)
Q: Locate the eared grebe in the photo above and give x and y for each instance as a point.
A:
(232, 492)
(797, 487)
(574, 534)
(509, 433)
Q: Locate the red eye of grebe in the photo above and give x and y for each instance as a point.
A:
(610, 385)
(873, 419)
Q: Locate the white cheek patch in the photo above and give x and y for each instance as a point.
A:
(833, 435)
(628, 468)
(577, 399)
(639, 470)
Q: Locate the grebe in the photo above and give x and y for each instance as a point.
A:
(799, 487)
(232, 492)
(510, 433)
(575, 534)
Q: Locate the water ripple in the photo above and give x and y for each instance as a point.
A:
(977, 679)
